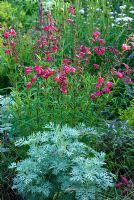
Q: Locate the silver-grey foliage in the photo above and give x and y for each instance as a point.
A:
(58, 161)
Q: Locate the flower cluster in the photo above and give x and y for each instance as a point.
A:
(61, 77)
(124, 74)
(9, 40)
(40, 72)
(82, 55)
(48, 44)
(72, 13)
(102, 87)
(123, 184)
(99, 50)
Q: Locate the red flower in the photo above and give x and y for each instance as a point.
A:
(125, 47)
(66, 61)
(82, 54)
(50, 28)
(113, 50)
(12, 44)
(28, 70)
(8, 51)
(98, 85)
(106, 90)
(5, 35)
(99, 50)
(92, 96)
(28, 85)
(70, 21)
(54, 48)
(125, 65)
(71, 10)
(12, 33)
(98, 93)
(96, 34)
(49, 58)
(101, 80)
(33, 80)
(38, 69)
(101, 41)
(86, 60)
(109, 84)
(118, 74)
(96, 66)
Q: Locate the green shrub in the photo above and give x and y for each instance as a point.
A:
(128, 114)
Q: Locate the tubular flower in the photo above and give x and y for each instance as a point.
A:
(28, 70)
(125, 47)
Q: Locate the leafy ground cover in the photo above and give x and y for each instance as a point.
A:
(66, 69)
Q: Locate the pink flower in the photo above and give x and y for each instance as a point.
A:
(51, 71)
(5, 35)
(106, 90)
(93, 40)
(71, 10)
(8, 51)
(98, 85)
(99, 50)
(47, 72)
(70, 21)
(44, 42)
(109, 84)
(125, 47)
(68, 69)
(80, 69)
(96, 34)
(28, 70)
(49, 58)
(86, 60)
(125, 65)
(12, 44)
(96, 66)
(72, 69)
(101, 80)
(50, 28)
(57, 78)
(84, 49)
(66, 61)
(28, 85)
(53, 28)
(113, 50)
(64, 91)
(92, 96)
(98, 93)
(118, 74)
(101, 41)
(33, 80)
(82, 54)
(38, 69)
(54, 48)
(12, 33)
(46, 28)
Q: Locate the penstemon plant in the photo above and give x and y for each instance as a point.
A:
(66, 84)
